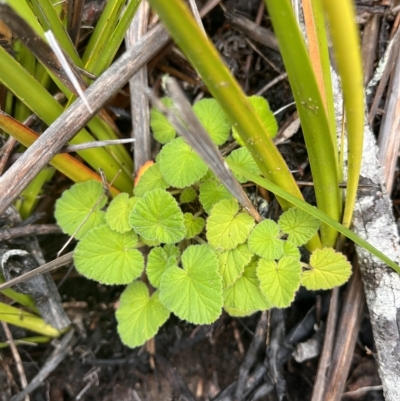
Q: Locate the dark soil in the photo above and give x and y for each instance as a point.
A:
(186, 362)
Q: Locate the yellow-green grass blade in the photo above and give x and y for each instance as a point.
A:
(65, 163)
(26, 320)
(28, 341)
(313, 211)
(225, 89)
(22, 299)
(345, 39)
(28, 90)
(312, 112)
(102, 33)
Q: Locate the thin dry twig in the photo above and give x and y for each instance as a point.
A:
(17, 358)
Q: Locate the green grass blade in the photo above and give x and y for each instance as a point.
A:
(102, 33)
(65, 163)
(314, 121)
(344, 34)
(222, 85)
(313, 211)
(26, 320)
(26, 88)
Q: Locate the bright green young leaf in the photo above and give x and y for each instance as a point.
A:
(290, 249)
(159, 260)
(265, 114)
(117, 215)
(75, 205)
(279, 281)
(194, 293)
(188, 195)
(213, 119)
(151, 179)
(139, 316)
(180, 165)
(300, 226)
(109, 257)
(172, 251)
(232, 263)
(157, 216)
(242, 157)
(226, 226)
(244, 297)
(328, 269)
(194, 225)
(211, 192)
(149, 242)
(163, 131)
(264, 240)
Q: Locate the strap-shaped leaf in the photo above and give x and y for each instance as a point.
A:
(157, 216)
(180, 165)
(264, 240)
(139, 316)
(328, 269)
(280, 280)
(109, 257)
(117, 215)
(75, 205)
(194, 293)
(226, 226)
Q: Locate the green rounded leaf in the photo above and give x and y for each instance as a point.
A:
(243, 158)
(163, 131)
(117, 215)
(187, 195)
(290, 249)
(76, 204)
(180, 165)
(232, 263)
(328, 269)
(157, 216)
(299, 225)
(151, 179)
(194, 225)
(244, 297)
(159, 260)
(264, 240)
(194, 293)
(139, 316)
(279, 281)
(265, 114)
(109, 257)
(213, 119)
(226, 226)
(211, 192)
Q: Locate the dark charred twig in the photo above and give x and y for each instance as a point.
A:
(77, 116)
(52, 362)
(75, 13)
(253, 31)
(33, 229)
(54, 264)
(251, 355)
(5, 152)
(174, 378)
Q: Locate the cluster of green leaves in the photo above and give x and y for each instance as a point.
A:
(207, 254)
